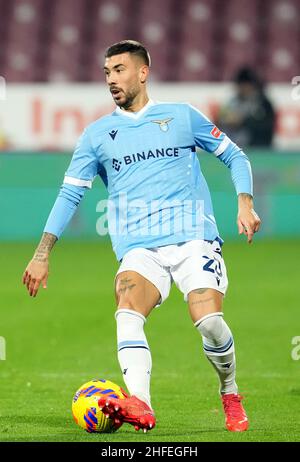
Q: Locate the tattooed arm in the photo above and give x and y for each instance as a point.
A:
(79, 176)
(37, 270)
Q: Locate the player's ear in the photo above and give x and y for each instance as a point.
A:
(144, 72)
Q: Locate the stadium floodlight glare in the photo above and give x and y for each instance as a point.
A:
(2, 88)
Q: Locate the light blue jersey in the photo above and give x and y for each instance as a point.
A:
(157, 193)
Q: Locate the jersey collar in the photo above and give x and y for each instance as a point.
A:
(135, 115)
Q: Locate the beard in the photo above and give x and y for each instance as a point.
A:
(125, 100)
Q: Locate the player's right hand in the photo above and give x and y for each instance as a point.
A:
(35, 274)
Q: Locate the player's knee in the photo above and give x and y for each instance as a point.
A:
(211, 325)
(127, 302)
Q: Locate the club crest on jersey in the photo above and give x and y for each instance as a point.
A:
(163, 124)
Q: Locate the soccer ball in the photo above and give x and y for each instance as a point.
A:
(85, 409)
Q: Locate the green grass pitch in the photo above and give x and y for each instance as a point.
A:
(66, 336)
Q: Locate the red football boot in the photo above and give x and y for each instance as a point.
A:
(131, 410)
(236, 417)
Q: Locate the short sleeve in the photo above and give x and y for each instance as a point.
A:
(206, 135)
(84, 164)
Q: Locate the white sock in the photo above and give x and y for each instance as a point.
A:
(218, 346)
(133, 353)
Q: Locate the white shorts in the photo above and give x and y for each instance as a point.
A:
(191, 265)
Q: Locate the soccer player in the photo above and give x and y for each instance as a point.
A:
(161, 224)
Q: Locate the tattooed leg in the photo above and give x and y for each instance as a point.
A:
(204, 301)
(136, 297)
(218, 345)
(135, 292)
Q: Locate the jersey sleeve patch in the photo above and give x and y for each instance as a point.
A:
(215, 132)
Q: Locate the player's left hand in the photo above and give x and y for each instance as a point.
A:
(248, 222)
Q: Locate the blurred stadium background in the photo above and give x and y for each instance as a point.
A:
(51, 58)
(52, 86)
